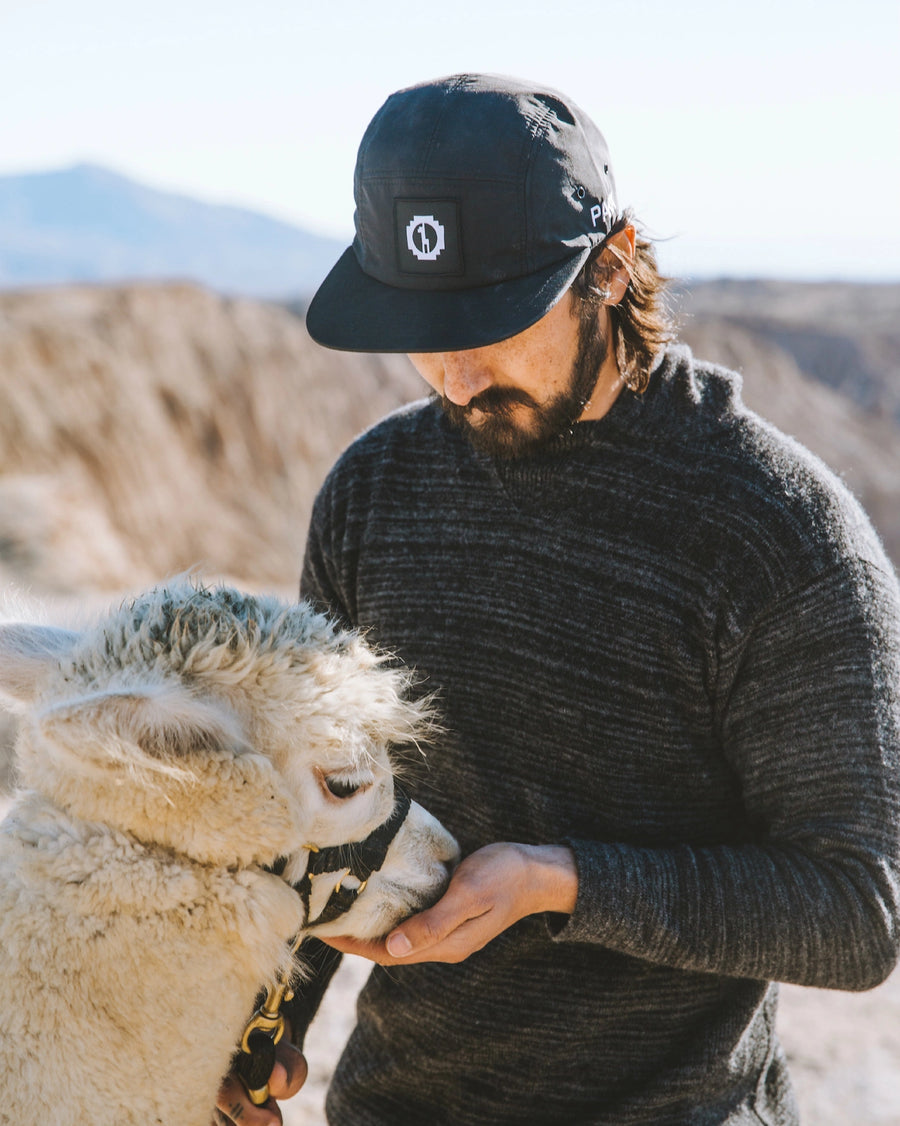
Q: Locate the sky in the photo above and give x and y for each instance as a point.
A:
(751, 139)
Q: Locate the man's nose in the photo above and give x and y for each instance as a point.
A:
(466, 374)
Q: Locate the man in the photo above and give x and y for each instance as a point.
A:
(664, 638)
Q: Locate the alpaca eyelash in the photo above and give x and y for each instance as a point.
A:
(343, 787)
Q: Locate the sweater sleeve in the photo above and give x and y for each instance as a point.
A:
(809, 718)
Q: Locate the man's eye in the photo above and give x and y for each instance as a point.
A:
(342, 787)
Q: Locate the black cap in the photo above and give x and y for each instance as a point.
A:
(478, 200)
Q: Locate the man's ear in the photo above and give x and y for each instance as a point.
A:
(28, 653)
(615, 265)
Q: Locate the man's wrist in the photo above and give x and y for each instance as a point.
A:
(553, 877)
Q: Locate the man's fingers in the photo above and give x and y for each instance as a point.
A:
(234, 1103)
(464, 902)
(289, 1073)
(459, 905)
(491, 890)
(373, 949)
(422, 932)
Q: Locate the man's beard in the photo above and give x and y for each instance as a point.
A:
(498, 432)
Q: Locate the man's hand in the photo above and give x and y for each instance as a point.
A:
(288, 1075)
(489, 891)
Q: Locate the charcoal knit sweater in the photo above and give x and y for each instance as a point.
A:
(670, 641)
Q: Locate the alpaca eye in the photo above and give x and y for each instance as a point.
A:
(342, 787)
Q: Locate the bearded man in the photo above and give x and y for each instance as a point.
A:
(664, 638)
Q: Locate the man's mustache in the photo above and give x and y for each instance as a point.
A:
(493, 400)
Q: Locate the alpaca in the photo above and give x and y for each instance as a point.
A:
(172, 761)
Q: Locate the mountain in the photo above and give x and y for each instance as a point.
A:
(87, 224)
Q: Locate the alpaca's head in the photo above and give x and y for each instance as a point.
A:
(231, 728)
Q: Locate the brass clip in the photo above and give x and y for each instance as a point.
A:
(265, 1019)
(268, 1019)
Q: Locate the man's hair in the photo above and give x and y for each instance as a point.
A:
(641, 322)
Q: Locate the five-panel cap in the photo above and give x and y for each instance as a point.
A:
(478, 199)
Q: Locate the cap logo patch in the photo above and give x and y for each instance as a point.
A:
(427, 236)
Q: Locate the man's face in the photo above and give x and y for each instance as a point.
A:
(512, 397)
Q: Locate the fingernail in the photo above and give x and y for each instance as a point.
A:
(398, 945)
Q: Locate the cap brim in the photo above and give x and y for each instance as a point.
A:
(355, 312)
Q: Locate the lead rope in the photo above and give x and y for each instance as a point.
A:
(254, 1061)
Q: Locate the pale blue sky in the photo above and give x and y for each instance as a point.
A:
(755, 138)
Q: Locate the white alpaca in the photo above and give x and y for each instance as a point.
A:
(166, 758)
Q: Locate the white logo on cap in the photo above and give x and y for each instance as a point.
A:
(425, 237)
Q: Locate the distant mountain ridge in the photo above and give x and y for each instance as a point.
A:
(89, 224)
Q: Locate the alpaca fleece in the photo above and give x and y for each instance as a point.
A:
(670, 640)
(168, 757)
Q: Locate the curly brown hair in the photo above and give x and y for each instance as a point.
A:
(641, 322)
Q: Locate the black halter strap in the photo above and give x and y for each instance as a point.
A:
(254, 1060)
(360, 859)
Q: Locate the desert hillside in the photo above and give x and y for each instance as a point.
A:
(862, 445)
(845, 335)
(149, 428)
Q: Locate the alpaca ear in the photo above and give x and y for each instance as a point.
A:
(28, 653)
(155, 761)
(159, 723)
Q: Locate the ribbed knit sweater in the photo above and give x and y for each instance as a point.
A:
(671, 641)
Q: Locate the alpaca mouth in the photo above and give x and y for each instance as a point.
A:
(356, 862)
(408, 900)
